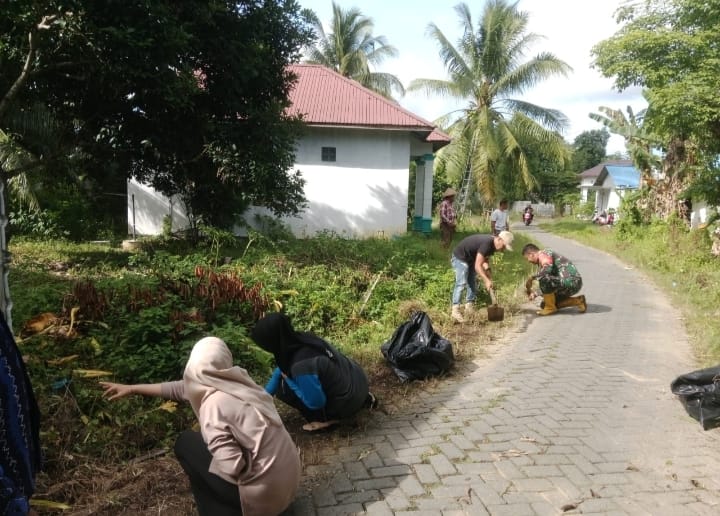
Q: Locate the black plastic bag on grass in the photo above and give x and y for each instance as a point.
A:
(699, 392)
(416, 352)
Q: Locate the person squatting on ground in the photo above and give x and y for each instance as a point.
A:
(470, 259)
(558, 278)
(311, 375)
(448, 218)
(499, 218)
(243, 461)
(20, 452)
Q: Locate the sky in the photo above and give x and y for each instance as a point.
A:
(569, 28)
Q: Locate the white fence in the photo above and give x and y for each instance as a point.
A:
(539, 209)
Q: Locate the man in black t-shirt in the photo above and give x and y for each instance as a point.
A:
(470, 259)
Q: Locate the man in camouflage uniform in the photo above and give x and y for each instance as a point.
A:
(558, 278)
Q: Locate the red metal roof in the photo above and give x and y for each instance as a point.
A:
(324, 97)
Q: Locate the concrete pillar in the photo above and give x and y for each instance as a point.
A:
(419, 194)
(427, 193)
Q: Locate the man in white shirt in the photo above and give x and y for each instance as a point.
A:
(499, 218)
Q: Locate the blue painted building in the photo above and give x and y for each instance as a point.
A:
(610, 181)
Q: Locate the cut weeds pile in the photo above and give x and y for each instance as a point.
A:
(133, 317)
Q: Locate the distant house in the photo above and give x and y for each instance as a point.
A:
(700, 213)
(609, 181)
(354, 157)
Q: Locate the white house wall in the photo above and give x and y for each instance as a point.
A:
(363, 193)
(608, 197)
(585, 185)
(699, 214)
(147, 209)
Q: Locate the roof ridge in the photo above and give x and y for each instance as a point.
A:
(360, 88)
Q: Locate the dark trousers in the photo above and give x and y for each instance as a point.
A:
(213, 495)
(287, 395)
(447, 232)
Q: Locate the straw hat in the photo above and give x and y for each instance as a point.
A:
(449, 193)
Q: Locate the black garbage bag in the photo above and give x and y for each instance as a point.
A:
(416, 352)
(699, 392)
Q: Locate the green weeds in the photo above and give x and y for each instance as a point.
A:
(137, 314)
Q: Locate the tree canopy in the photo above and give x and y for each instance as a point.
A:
(670, 49)
(589, 149)
(188, 96)
(486, 69)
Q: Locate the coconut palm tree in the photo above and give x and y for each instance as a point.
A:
(351, 50)
(486, 69)
(31, 143)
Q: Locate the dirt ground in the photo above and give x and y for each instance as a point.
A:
(155, 484)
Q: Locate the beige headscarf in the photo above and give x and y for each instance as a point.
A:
(210, 368)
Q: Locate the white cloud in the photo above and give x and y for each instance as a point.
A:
(570, 29)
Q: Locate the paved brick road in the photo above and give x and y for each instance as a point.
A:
(573, 415)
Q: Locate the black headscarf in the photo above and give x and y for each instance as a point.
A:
(275, 334)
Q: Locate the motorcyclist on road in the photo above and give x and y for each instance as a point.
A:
(528, 214)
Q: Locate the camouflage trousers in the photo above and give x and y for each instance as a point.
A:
(563, 288)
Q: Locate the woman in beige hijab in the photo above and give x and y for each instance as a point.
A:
(242, 461)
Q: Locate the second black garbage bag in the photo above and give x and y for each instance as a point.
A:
(699, 392)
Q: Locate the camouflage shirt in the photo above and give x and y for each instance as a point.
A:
(560, 276)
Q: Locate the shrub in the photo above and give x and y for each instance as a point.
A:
(41, 224)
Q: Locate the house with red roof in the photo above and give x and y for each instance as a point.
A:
(354, 157)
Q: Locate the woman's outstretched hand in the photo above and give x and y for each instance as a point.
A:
(116, 390)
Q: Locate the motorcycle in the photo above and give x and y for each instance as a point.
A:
(528, 217)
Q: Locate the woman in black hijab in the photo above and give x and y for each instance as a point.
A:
(311, 375)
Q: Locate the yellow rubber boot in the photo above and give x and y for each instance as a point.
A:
(549, 308)
(578, 301)
(568, 301)
(582, 304)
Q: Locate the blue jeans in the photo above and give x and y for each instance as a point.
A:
(465, 279)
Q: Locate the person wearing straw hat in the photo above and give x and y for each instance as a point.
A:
(470, 259)
(448, 218)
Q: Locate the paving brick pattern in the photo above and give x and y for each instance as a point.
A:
(571, 415)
